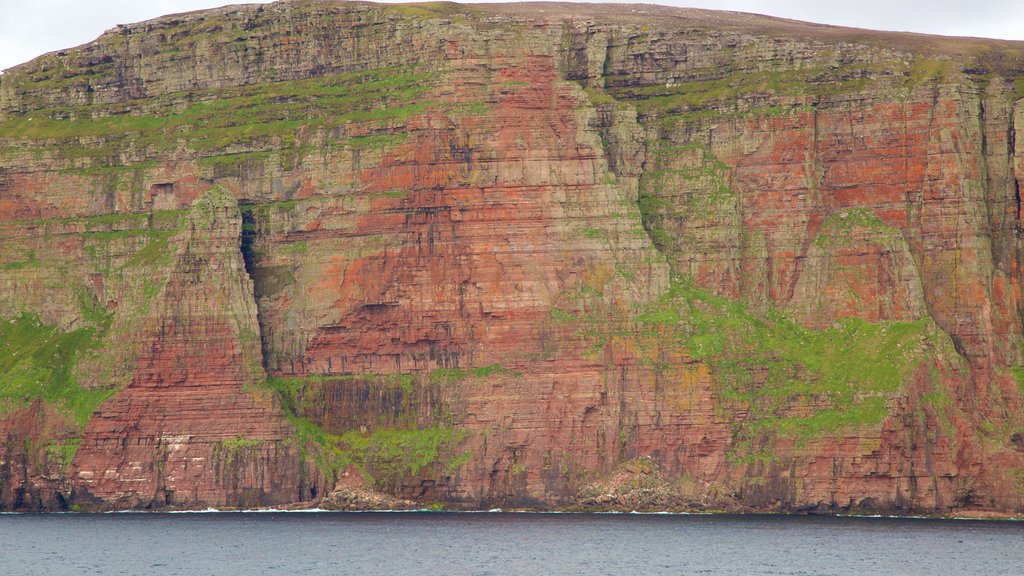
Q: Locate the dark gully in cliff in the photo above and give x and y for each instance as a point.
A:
(351, 255)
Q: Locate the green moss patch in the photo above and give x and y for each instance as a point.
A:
(232, 450)
(388, 456)
(452, 375)
(61, 453)
(838, 228)
(29, 262)
(688, 182)
(773, 378)
(1018, 374)
(37, 361)
(269, 114)
(791, 381)
(385, 455)
(728, 87)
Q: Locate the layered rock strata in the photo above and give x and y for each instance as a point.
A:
(478, 255)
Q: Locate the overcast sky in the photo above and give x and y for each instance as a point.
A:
(29, 28)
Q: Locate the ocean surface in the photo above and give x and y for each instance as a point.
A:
(398, 544)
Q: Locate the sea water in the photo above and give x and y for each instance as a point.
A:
(398, 544)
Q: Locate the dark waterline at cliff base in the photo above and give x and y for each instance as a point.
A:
(508, 543)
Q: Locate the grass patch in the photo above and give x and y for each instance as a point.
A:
(767, 365)
(265, 209)
(728, 86)
(37, 361)
(384, 456)
(1018, 89)
(156, 251)
(1018, 375)
(453, 375)
(231, 450)
(29, 262)
(239, 442)
(388, 456)
(663, 317)
(837, 229)
(295, 249)
(92, 311)
(269, 114)
(62, 453)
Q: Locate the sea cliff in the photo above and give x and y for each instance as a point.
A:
(543, 256)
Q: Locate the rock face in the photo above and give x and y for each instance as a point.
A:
(480, 255)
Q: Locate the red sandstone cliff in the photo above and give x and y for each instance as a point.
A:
(601, 256)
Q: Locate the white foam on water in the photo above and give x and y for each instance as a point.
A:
(212, 510)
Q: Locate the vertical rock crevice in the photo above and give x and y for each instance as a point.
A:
(199, 435)
(246, 246)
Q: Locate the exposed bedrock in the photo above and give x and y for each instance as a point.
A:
(595, 257)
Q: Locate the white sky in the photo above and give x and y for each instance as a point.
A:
(29, 28)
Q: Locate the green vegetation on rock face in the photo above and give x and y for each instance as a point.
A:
(239, 443)
(451, 375)
(1018, 375)
(37, 361)
(1018, 90)
(688, 183)
(728, 87)
(718, 93)
(29, 261)
(63, 452)
(429, 9)
(837, 229)
(774, 378)
(215, 121)
(386, 455)
(791, 381)
(43, 362)
(232, 450)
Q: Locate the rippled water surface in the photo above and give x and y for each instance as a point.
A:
(396, 544)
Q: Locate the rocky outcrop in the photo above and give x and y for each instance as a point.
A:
(184, 430)
(600, 257)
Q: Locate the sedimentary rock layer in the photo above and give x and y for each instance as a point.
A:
(477, 255)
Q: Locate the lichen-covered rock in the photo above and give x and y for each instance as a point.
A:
(472, 256)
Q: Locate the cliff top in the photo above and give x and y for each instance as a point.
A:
(1001, 55)
(251, 44)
